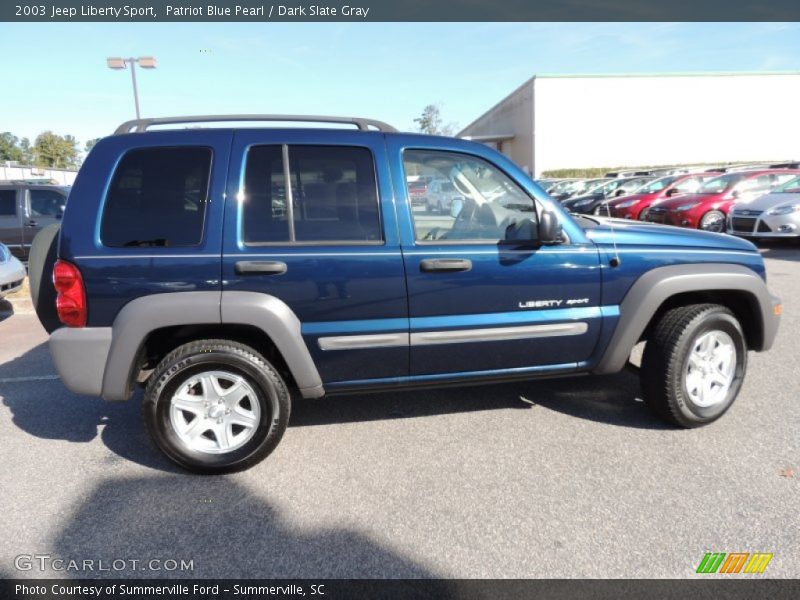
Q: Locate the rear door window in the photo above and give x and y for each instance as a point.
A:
(333, 189)
(47, 203)
(158, 197)
(8, 203)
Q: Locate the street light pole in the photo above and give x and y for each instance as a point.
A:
(145, 62)
(132, 62)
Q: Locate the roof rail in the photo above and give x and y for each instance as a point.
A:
(139, 125)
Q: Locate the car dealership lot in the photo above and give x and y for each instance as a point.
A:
(558, 478)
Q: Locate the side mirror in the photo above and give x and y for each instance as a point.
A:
(619, 193)
(735, 194)
(672, 192)
(456, 207)
(549, 228)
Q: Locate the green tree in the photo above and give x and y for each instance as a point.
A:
(90, 144)
(27, 151)
(431, 122)
(9, 147)
(52, 150)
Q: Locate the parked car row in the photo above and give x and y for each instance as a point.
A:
(742, 200)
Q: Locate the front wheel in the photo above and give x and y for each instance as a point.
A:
(694, 364)
(215, 406)
(713, 220)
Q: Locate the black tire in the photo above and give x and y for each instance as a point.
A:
(191, 359)
(666, 357)
(40, 276)
(717, 217)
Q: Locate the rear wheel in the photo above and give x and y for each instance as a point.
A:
(215, 406)
(694, 364)
(713, 220)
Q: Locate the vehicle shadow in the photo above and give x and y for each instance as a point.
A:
(45, 409)
(6, 309)
(780, 249)
(223, 528)
(611, 399)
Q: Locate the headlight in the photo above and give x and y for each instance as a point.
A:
(4, 254)
(627, 204)
(584, 202)
(687, 206)
(785, 209)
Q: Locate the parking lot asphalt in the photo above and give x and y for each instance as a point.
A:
(557, 478)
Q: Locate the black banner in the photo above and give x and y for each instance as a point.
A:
(398, 10)
(716, 588)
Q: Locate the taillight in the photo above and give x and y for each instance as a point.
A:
(71, 298)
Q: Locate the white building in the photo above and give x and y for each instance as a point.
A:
(11, 171)
(554, 122)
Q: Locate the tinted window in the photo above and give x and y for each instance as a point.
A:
(8, 203)
(47, 203)
(486, 203)
(158, 197)
(333, 190)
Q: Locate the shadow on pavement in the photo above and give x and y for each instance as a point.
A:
(610, 399)
(223, 528)
(788, 250)
(47, 410)
(6, 309)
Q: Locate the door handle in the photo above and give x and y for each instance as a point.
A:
(31, 223)
(260, 267)
(445, 265)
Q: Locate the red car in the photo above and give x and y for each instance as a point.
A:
(634, 206)
(708, 207)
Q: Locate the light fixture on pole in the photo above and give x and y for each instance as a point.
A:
(146, 62)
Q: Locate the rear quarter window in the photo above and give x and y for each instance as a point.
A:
(157, 197)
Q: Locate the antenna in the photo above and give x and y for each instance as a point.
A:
(616, 260)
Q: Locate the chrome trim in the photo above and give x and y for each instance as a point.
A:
(356, 342)
(428, 338)
(287, 185)
(497, 334)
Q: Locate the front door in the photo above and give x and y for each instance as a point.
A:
(482, 298)
(10, 221)
(311, 222)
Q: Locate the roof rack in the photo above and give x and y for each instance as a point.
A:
(140, 125)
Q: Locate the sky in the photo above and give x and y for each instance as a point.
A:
(56, 76)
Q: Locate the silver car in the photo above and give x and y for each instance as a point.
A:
(12, 273)
(773, 215)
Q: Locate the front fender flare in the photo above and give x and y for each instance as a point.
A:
(653, 288)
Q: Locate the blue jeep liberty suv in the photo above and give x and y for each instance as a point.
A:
(228, 269)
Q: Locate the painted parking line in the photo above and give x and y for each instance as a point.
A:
(31, 378)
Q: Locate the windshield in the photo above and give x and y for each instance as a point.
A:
(719, 184)
(790, 187)
(657, 185)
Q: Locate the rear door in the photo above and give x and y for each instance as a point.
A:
(310, 220)
(43, 206)
(478, 301)
(10, 220)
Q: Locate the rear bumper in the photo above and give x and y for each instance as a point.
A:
(80, 356)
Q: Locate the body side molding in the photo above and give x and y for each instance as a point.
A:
(654, 287)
